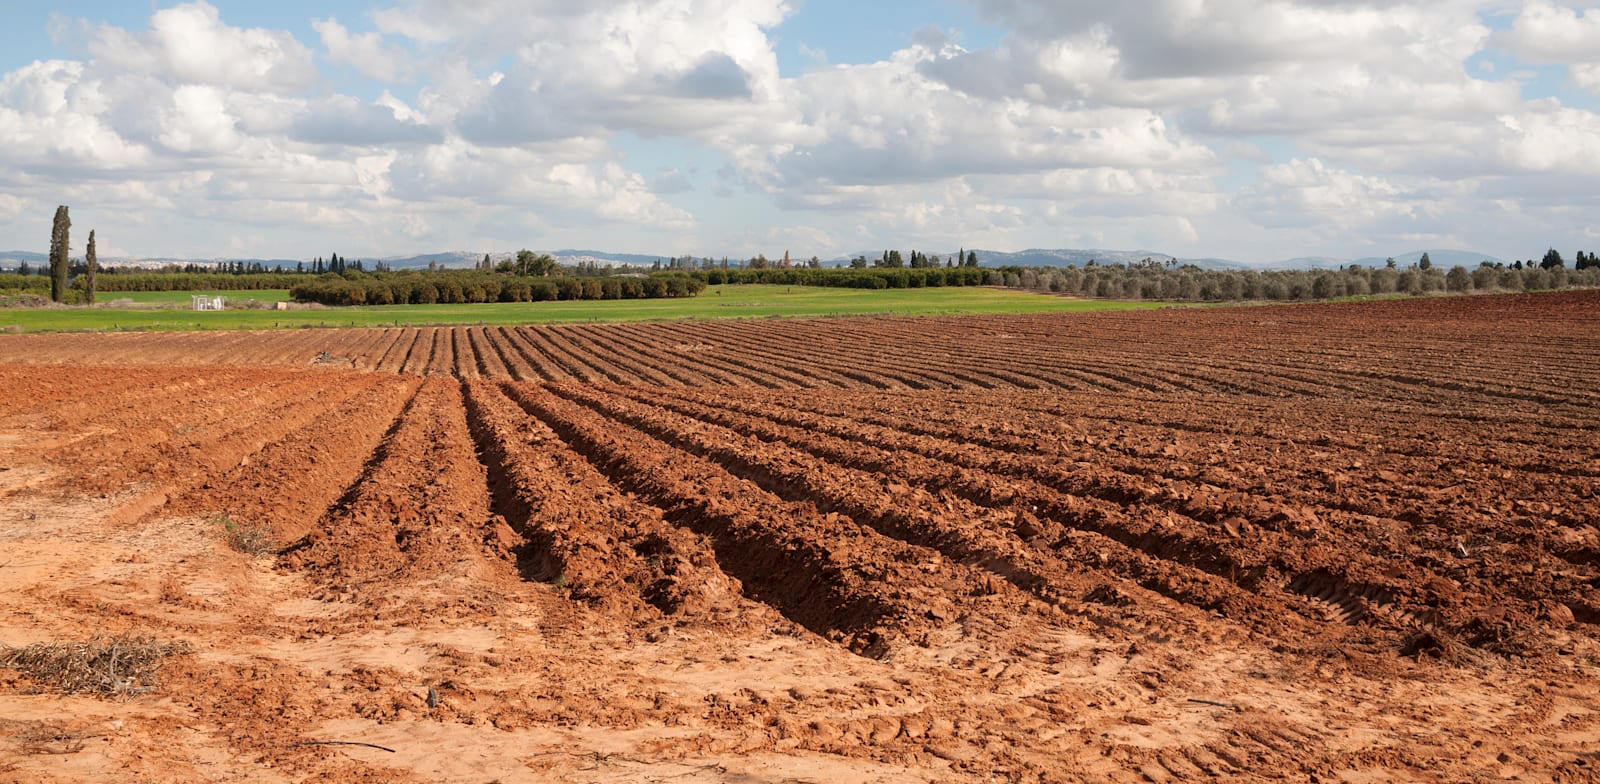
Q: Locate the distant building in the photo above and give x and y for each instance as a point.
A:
(206, 302)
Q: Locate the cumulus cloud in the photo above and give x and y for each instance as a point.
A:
(197, 121)
(1307, 192)
(218, 123)
(914, 126)
(1544, 32)
(11, 206)
(1586, 76)
(1209, 126)
(620, 44)
(1556, 140)
(545, 183)
(348, 121)
(52, 120)
(365, 52)
(714, 76)
(508, 111)
(639, 65)
(190, 43)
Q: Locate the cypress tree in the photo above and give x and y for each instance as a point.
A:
(91, 267)
(58, 254)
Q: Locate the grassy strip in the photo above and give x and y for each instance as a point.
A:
(182, 297)
(727, 301)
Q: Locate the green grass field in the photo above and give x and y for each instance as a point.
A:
(182, 297)
(747, 301)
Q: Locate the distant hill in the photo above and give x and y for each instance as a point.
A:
(11, 260)
(1040, 257)
(601, 257)
(1444, 259)
(1209, 263)
(1307, 263)
(1067, 257)
(451, 259)
(458, 259)
(1033, 257)
(462, 259)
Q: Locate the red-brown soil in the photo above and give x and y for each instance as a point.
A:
(1351, 542)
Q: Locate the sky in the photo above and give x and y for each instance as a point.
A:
(1254, 130)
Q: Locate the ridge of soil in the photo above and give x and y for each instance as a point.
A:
(1333, 542)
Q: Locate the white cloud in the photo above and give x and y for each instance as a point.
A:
(1586, 76)
(889, 123)
(1556, 140)
(1544, 32)
(715, 75)
(197, 121)
(548, 182)
(189, 43)
(213, 123)
(52, 119)
(365, 52)
(1203, 127)
(621, 46)
(11, 206)
(654, 68)
(1307, 192)
(348, 121)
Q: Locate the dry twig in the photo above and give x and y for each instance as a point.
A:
(342, 743)
(122, 666)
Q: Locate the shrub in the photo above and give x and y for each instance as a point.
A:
(247, 538)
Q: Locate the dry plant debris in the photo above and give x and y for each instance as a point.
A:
(121, 666)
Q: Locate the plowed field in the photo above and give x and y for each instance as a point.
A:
(1349, 542)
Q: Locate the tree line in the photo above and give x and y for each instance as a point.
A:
(892, 259)
(105, 282)
(1150, 280)
(851, 277)
(476, 286)
(335, 264)
(531, 277)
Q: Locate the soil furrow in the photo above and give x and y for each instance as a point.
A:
(582, 533)
(841, 581)
(293, 481)
(982, 521)
(418, 516)
(836, 474)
